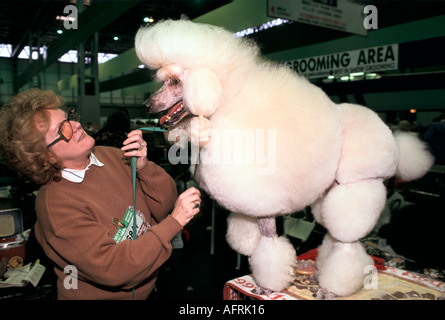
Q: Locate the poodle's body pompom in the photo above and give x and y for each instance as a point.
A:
(267, 165)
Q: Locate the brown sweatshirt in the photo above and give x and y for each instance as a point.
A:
(74, 227)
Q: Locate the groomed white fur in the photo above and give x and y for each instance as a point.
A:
(197, 83)
(415, 160)
(273, 263)
(369, 149)
(243, 233)
(342, 267)
(350, 211)
(307, 150)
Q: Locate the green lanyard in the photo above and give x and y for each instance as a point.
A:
(133, 166)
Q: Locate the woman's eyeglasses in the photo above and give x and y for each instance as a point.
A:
(65, 129)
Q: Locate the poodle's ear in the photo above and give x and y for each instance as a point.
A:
(201, 91)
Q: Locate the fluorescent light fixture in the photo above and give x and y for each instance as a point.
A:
(264, 26)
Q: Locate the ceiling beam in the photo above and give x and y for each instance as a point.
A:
(91, 20)
(411, 31)
(241, 14)
(236, 15)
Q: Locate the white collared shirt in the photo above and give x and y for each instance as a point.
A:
(78, 175)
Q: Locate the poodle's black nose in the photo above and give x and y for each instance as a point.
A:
(147, 105)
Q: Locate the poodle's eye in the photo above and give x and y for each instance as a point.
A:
(174, 81)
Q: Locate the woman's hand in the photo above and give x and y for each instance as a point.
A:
(135, 146)
(187, 206)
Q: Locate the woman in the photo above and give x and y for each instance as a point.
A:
(85, 196)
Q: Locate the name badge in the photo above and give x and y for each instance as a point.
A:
(125, 230)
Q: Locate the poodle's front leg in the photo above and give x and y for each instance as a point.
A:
(273, 261)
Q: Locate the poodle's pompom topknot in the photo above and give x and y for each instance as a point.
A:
(189, 45)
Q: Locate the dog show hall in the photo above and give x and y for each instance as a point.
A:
(221, 150)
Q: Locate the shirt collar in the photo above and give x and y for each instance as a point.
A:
(78, 175)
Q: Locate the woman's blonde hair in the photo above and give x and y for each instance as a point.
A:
(24, 121)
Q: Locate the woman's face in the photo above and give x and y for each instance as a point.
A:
(74, 153)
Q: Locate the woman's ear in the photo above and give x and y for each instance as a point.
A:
(52, 157)
(201, 91)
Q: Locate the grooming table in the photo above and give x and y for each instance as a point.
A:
(393, 284)
(382, 283)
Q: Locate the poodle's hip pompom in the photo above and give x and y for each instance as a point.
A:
(415, 159)
(243, 233)
(273, 263)
(350, 211)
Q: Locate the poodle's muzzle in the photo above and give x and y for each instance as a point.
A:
(171, 114)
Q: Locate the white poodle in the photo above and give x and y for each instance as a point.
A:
(271, 144)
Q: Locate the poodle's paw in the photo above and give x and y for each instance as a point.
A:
(243, 233)
(343, 271)
(273, 263)
(260, 291)
(324, 294)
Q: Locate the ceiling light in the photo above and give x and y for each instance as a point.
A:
(60, 31)
(373, 76)
(116, 38)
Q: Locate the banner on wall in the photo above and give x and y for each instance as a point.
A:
(333, 14)
(367, 60)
